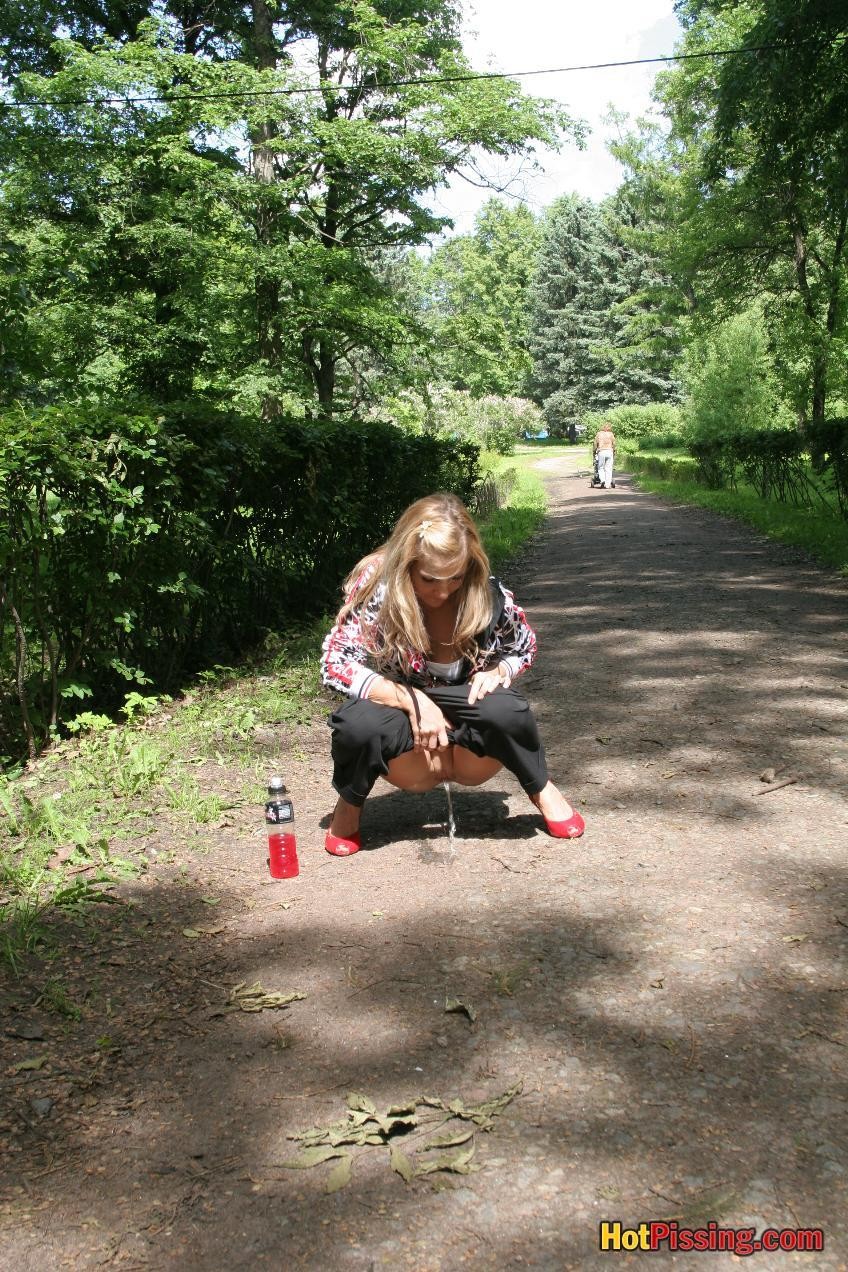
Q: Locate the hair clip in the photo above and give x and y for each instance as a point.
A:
(425, 525)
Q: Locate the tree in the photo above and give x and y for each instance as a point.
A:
(476, 298)
(318, 129)
(758, 148)
(588, 282)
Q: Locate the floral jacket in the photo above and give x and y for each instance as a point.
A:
(346, 664)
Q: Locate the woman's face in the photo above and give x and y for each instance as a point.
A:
(435, 579)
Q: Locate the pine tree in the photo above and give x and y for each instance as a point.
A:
(571, 298)
(593, 280)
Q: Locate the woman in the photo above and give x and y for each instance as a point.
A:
(426, 646)
(604, 447)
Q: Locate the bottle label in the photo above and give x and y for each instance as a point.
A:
(278, 811)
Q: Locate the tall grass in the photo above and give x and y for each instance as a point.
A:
(508, 528)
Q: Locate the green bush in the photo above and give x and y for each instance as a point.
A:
(680, 468)
(828, 445)
(635, 424)
(493, 423)
(136, 548)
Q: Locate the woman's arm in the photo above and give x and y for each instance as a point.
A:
(344, 666)
(516, 637)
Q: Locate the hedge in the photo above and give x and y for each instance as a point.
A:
(137, 548)
(807, 469)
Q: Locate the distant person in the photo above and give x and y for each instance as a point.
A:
(604, 448)
(426, 647)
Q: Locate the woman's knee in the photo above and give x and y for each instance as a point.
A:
(507, 711)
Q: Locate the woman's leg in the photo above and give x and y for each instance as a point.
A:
(500, 729)
(367, 737)
(371, 741)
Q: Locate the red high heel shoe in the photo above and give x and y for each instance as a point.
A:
(342, 846)
(571, 828)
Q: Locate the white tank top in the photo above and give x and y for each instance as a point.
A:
(451, 672)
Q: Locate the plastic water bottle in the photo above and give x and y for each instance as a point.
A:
(279, 820)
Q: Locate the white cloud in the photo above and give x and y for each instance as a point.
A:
(523, 35)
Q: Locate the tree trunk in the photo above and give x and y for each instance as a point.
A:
(818, 370)
(267, 290)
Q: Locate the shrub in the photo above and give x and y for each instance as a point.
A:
(136, 548)
(493, 423)
(731, 384)
(635, 424)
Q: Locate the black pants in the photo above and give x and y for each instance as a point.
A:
(366, 736)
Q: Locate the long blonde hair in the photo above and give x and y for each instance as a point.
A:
(438, 525)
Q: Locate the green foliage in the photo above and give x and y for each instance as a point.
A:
(751, 183)
(731, 382)
(475, 301)
(492, 423)
(220, 241)
(507, 528)
(591, 279)
(134, 548)
(639, 426)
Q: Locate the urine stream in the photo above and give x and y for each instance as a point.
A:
(451, 819)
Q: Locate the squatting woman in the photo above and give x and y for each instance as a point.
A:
(426, 647)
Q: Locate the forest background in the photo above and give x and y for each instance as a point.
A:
(236, 340)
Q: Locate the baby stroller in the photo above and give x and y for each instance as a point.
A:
(596, 481)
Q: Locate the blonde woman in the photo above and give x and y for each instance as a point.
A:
(426, 647)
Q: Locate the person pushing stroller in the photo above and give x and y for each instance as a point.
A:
(604, 453)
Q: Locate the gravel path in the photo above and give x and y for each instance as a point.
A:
(669, 992)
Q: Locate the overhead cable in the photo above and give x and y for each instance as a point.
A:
(241, 94)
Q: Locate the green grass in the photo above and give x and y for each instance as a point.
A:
(822, 534)
(505, 530)
(75, 821)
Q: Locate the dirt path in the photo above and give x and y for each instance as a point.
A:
(670, 991)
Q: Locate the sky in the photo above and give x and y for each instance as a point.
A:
(524, 35)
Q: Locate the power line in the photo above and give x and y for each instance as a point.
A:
(385, 84)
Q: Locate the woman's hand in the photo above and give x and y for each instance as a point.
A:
(483, 682)
(431, 732)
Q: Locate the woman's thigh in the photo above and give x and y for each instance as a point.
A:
(418, 771)
(473, 770)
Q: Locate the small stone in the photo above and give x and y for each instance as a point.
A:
(41, 1105)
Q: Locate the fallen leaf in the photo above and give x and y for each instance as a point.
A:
(801, 936)
(244, 997)
(191, 933)
(603, 741)
(211, 900)
(360, 1103)
(35, 1062)
(656, 984)
(457, 1005)
(459, 1164)
(449, 1140)
(401, 1164)
(313, 1157)
(339, 1176)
